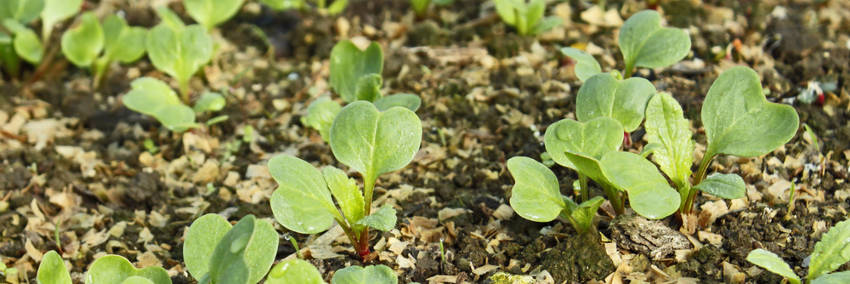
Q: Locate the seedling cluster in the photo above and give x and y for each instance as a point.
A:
(526, 16)
(832, 251)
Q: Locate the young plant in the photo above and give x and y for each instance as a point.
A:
(832, 251)
(366, 140)
(536, 196)
(375, 274)
(643, 43)
(18, 41)
(116, 41)
(591, 149)
(216, 252)
(420, 7)
(210, 13)
(294, 271)
(155, 98)
(526, 17)
(52, 270)
(178, 50)
(336, 6)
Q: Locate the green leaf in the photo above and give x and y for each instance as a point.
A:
(669, 137)
(623, 100)
(201, 239)
(649, 193)
(581, 215)
(261, 250)
(585, 65)
(507, 10)
(210, 102)
(409, 101)
(169, 18)
(593, 139)
(349, 64)
(832, 251)
(337, 7)
(56, 11)
(536, 195)
(284, 4)
(23, 11)
(373, 142)
(137, 280)
(644, 43)
(833, 278)
(83, 43)
(52, 270)
(369, 87)
(115, 269)
(228, 262)
(546, 24)
(419, 6)
(739, 120)
(729, 186)
(179, 53)
(320, 116)
(533, 13)
(153, 97)
(210, 13)
(772, 263)
(122, 42)
(384, 219)
(346, 192)
(301, 202)
(25, 42)
(294, 271)
(375, 274)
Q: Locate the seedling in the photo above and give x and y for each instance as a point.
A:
(210, 13)
(110, 269)
(153, 97)
(116, 41)
(536, 196)
(420, 7)
(294, 271)
(355, 75)
(526, 17)
(375, 274)
(832, 251)
(218, 253)
(178, 50)
(18, 41)
(335, 7)
(368, 141)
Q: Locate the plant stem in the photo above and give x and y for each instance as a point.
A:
(184, 91)
(614, 197)
(101, 66)
(688, 206)
(368, 190)
(630, 67)
(294, 245)
(585, 192)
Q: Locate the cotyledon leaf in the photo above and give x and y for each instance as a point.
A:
(302, 202)
(605, 96)
(593, 139)
(649, 193)
(535, 195)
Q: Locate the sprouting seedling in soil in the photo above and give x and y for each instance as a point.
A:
(178, 50)
(218, 253)
(368, 141)
(294, 243)
(374, 274)
(52, 270)
(526, 16)
(335, 7)
(832, 251)
(210, 13)
(591, 149)
(116, 269)
(643, 43)
(56, 11)
(96, 46)
(155, 98)
(17, 41)
(792, 196)
(420, 7)
(536, 196)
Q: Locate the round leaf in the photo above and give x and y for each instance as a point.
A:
(373, 142)
(349, 64)
(645, 43)
(122, 42)
(24, 11)
(729, 186)
(376, 274)
(409, 101)
(28, 46)
(294, 271)
(623, 100)
(320, 116)
(52, 270)
(201, 239)
(593, 139)
(649, 193)
(179, 52)
(83, 43)
(384, 219)
(302, 202)
(56, 11)
(210, 13)
(114, 269)
(536, 195)
(585, 65)
(739, 120)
